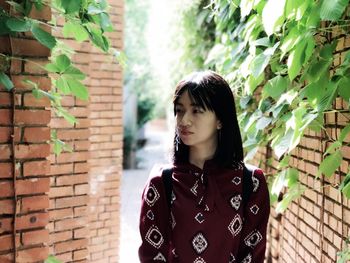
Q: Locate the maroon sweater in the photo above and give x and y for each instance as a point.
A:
(207, 222)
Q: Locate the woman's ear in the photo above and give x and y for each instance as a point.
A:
(218, 125)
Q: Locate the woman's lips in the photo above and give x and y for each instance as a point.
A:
(186, 133)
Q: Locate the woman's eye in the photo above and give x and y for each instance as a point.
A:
(178, 110)
(197, 111)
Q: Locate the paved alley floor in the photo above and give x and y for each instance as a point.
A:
(133, 181)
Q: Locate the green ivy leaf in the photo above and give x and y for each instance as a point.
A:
(300, 55)
(94, 9)
(78, 89)
(344, 88)
(344, 133)
(280, 144)
(66, 115)
(273, 15)
(97, 37)
(62, 84)
(344, 186)
(105, 22)
(330, 164)
(333, 148)
(263, 122)
(246, 7)
(290, 40)
(328, 96)
(43, 37)
(18, 25)
(75, 73)
(71, 6)
(50, 67)
(292, 194)
(260, 62)
(76, 30)
(275, 87)
(333, 10)
(62, 63)
(6, 81)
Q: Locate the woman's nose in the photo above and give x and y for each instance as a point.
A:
(186, 119)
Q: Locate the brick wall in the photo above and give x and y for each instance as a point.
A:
(67, 205)
(24, 165)
(106, 146)
(314, 226)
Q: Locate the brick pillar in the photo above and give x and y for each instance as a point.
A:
(24, 166)
(106, 147)
(69, 187)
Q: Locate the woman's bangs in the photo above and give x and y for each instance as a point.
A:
(200, 96)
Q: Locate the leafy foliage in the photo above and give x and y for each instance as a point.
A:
(84, 20)
(284, 47)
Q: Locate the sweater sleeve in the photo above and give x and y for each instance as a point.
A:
(154, 220)
(256, 214)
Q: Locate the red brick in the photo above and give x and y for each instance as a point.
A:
(72, 157)
(70, 223)
(32, 151)
(61, 213)
(61, 191)
(80, 211)
(35, 237)
(6, 188)
(78, 134)
(60, 236)
(30, 117)
(57, 169)
(81, 189)
(43, 82)
(81, 167)
(5, 224)
(5, 170)
(29, 47)
(72, 179)
(5, 99)
(81, 233)
(5, 134)
(6, 242)
(5, 116)
(36, 168)
(35, 203)
(30, 101)
(81, 145)
(33, 186)
(36, 134)
(16, 66)
(70, 245)
(71, 201)
(34, 66)
(5, 44)
(32, 254)
(34, 220)
(6, 206)
(80, 254)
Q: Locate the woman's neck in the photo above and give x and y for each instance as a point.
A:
(198, 156)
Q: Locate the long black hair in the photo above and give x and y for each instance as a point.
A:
(211, 92)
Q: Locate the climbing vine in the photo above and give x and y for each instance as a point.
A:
(83, 20)
(286, 50)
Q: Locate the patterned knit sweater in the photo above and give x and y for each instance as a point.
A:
(207, 222)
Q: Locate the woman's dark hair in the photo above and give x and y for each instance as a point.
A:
(211, 92)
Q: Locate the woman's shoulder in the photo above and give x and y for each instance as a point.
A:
(155, 175)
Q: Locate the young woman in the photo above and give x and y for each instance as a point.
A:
(207, 220)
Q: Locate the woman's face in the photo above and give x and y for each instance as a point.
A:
(196, 126)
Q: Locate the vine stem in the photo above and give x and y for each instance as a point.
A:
(13, 157)
(23, 59)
